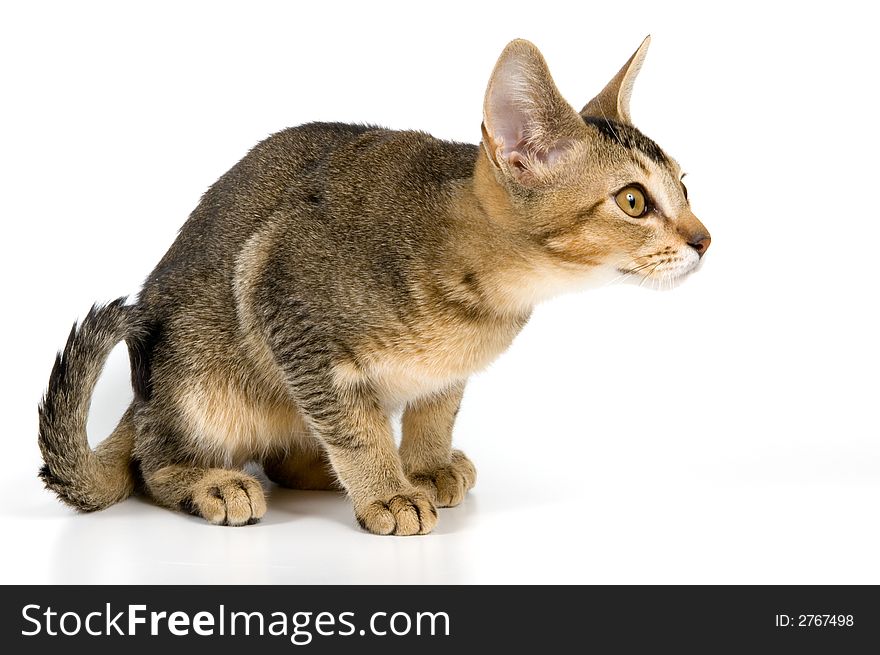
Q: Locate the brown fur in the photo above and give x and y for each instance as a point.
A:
(340, 273)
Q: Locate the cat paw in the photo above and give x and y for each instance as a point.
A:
(406, 513)
(228, 498)
(447, 485)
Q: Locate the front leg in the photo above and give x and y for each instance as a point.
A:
(342, 410)
(360, 444)
(356, 434)
(426, 448)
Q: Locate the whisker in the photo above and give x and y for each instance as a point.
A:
(649, 274)
(629, 272)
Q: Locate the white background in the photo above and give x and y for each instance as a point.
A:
(723, 432)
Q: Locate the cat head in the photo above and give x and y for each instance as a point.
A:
(587, 190)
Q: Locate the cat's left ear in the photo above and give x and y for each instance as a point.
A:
(527, 125)
(613, 101)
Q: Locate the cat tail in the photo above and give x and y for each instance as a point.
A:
(84, 478)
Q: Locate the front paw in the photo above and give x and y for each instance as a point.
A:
(447, 485)
(409, 512)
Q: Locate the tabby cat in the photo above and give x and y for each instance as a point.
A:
(341, 273)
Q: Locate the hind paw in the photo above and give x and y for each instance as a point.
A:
(227, 498)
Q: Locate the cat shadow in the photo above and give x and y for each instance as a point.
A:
(455, 520)
(303, 531)
(286, 505)
(335, 506)
(136, 540)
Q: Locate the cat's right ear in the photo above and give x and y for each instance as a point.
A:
(613, 101)
(526, 122)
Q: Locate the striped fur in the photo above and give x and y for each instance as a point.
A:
(339, 274)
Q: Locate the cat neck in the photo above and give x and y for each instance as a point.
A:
(497, 256)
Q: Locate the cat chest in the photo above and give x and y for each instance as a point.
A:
(415, 368)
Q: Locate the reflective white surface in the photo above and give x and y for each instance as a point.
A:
(763, 534)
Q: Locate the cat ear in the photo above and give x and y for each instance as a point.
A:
(613, 101)
(527, 125)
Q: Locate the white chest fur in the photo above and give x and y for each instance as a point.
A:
(428, 365)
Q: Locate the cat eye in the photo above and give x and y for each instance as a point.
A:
(632, 201)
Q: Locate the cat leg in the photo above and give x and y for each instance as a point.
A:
(304, 465)
(426, 448)
(342, 409)
(356, 434)
(219, 495)
(360, 443)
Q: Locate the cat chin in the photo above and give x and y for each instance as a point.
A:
(664, 281)
(599, 277)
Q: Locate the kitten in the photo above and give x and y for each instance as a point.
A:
(339, 273)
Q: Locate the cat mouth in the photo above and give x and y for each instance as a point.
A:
(659, 275)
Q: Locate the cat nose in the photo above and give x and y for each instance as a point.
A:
(700, 243)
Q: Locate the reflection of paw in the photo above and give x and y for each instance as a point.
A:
(228, 498)
(447, 485)
(409, 512)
